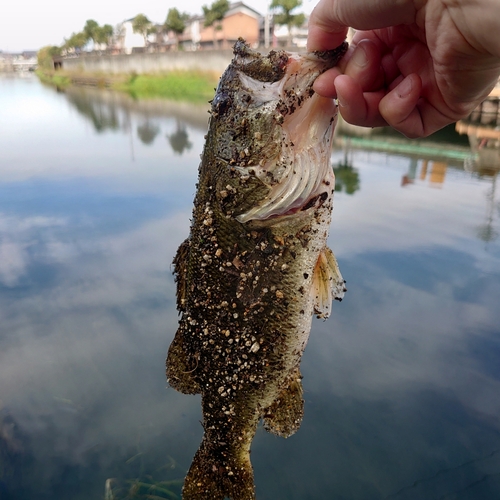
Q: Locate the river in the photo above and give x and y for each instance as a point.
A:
(401, 384)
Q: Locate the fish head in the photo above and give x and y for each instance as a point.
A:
(271, 133)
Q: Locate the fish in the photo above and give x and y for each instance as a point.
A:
(255, 267)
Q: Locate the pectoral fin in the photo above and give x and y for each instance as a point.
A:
(284, 416)
(328, 283)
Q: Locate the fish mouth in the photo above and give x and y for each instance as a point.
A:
(301, 178)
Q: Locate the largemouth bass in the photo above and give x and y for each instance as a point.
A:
(255, 267)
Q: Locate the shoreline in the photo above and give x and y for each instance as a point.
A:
(179, 85)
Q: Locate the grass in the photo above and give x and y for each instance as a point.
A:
(190, 86)
(179, 86)
(60, 81)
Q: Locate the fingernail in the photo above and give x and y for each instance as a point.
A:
(359, 57)
(404, 88)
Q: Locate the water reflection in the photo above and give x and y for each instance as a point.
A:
(109, 111)
(346, 178)
(485, 144)
(147, 132)
(401, 384)
(179, 140)
(102, 117)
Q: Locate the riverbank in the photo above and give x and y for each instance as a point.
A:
(190, 85)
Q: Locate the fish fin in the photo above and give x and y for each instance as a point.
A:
(209, 478)
(180, 368)
(181, 262)
(328, 283)
(284, 416)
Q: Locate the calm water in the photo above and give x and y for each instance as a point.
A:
(402, 384)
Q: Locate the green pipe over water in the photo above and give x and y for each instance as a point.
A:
(409, 148)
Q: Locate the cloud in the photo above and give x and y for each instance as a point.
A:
(16, 239)
(82, 362)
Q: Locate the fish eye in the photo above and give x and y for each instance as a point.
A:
(221, 103)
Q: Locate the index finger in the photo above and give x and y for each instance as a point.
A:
(330, 19)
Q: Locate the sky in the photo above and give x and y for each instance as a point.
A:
(32, 24)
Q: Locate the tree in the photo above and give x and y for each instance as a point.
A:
(142, 25)
(45, 56)
(215, 14)
(103, 34)
(285, 17)
(91, 29)
(176, 22)
(76, 41)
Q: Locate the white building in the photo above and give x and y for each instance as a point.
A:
(298, 34)
(128, 40)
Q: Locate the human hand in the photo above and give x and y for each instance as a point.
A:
(416, 65)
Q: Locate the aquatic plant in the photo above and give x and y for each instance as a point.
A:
(139, 481)
(142, 489)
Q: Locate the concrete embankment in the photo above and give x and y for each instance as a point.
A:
(210, 61)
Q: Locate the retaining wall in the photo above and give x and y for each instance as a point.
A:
(213, 60)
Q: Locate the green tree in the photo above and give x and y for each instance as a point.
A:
(176, 22)
(103, 34)
(215, 14)
(45, 56)
(91, 29)
(76, 41)
(285, 17)
(142, 25)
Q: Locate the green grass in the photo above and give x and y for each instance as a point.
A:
(179, 86)
(60, 81)
(190, 86)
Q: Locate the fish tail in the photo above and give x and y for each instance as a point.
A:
(214, 477)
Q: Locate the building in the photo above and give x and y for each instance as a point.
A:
(127, 40)
(240, 21)
(297, 37)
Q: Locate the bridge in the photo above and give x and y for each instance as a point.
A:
(25, 64)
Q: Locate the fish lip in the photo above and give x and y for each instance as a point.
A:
(333, 56)
(328, 58)
(314, 63)
(274, 66)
